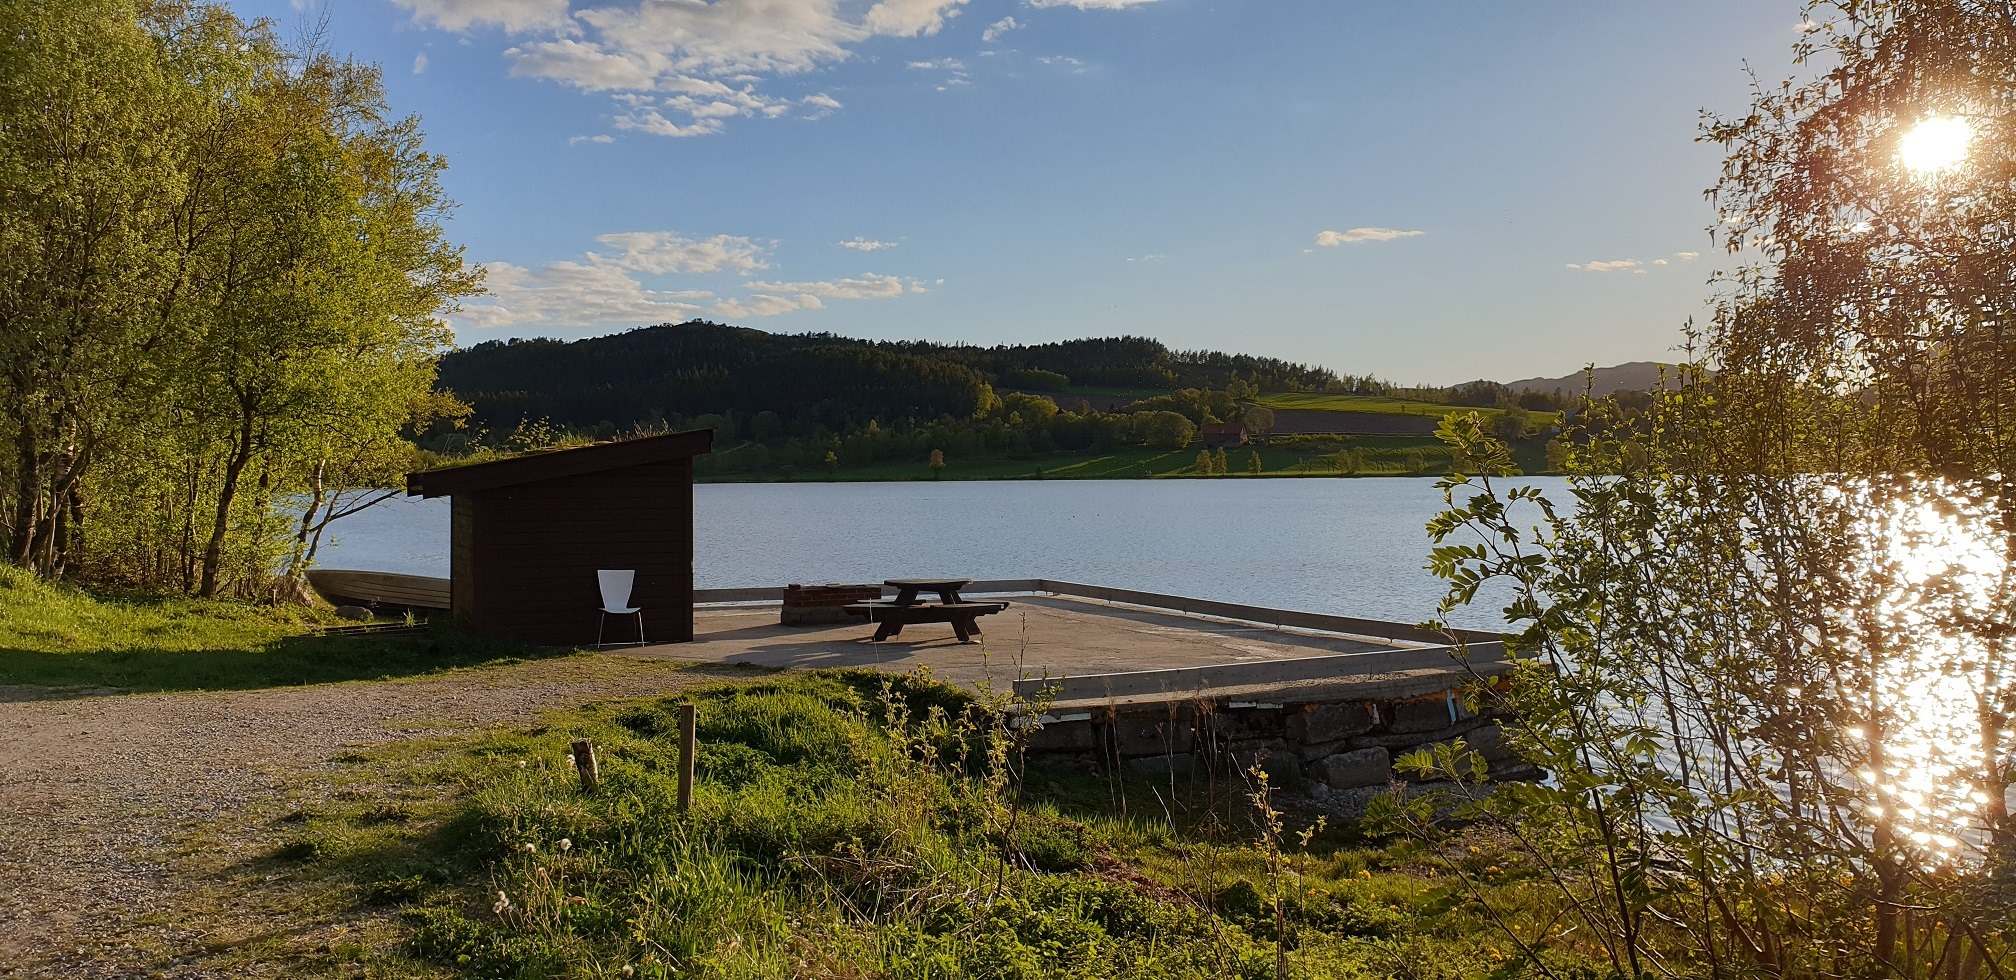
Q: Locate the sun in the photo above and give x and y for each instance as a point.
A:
(1937, 144)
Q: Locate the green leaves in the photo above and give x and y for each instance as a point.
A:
(220, 266)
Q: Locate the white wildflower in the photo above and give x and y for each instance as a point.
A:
(566, 845)
(503, 902)
(530, 847)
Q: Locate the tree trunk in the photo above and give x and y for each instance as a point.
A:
(27, 493)
(213, 552)
(297, 559)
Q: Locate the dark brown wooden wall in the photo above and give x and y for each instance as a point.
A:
(524, 557)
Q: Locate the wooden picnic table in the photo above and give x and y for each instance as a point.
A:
(908, 610)
(908, 588)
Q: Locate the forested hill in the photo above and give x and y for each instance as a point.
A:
(699, 368)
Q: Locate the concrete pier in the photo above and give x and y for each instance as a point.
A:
(1155, 688)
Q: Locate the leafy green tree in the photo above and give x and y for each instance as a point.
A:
(90, 173)
(1253, 462)
(1162, 430)
(1514, 423)
(1203, 466)
(937, 463)
(832, 463)
(221, 265)
(321, 275)
(1772, 660)
(1258, 419)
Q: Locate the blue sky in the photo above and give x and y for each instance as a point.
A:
(1429, 192)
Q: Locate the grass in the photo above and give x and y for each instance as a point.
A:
(1384, 456)
(52, 635)
(846, 824)
(842, 828)
(1320, 402)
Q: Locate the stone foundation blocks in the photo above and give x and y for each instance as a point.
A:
(1350, 770)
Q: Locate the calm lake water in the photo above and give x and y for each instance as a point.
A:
(1347, 546)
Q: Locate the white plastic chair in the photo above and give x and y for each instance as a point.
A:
(616, 600)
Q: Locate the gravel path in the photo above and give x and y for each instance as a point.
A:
(100, 792)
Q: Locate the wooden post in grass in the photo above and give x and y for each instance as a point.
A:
(584, 762)
(689, 717)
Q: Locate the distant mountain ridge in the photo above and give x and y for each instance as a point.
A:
(1630, 376)
(652, 374)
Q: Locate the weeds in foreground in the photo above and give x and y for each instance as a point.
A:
(859, 825)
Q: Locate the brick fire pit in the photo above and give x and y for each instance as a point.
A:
(823, 605)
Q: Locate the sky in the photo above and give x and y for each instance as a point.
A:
(1426, 192)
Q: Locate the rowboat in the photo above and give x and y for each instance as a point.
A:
(350, 587)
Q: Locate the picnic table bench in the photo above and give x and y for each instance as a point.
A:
(907, 609)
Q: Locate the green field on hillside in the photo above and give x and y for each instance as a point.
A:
(1352, 456)
(1320, 402)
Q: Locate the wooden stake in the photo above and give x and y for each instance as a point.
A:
(689, 717)
(584, 762)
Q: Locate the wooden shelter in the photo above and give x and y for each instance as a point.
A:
(1228, 435)
(528, 534)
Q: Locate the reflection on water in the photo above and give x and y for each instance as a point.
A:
(1943, 579)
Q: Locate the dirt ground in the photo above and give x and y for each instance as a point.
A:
(104, 797)
(132, 825)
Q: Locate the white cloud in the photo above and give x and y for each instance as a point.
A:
(604, 286)
(774, 298)
(995, 30)
(723, 38)
(420, 63)
(1660, 262)
(664, 252)
(823, 105)
(655, 57)
(949, 64)
(1076, 66)
(1614, 265)
(1332, 239)
(1089, 4)
(751, 307)
(582, 65)
(859, 244)
(575, 294)
(649, 120)
(598, 138)
(1686, 256)
(516, 16)
(1149, 258)
(910, 18)
(869, 286)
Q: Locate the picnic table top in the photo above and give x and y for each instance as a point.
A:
(926, 583)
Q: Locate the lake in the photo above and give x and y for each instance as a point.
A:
(1345, 546)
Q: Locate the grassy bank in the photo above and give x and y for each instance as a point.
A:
(1285, 457)
(53, 635)
(846, 824)
(842, 828)
(1321, 402)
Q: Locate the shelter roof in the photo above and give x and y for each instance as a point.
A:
(553, 464)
